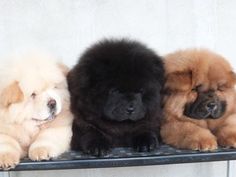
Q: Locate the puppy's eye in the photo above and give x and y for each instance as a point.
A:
(221, 88)
(33, 95)
(197, 88)
(114, 91)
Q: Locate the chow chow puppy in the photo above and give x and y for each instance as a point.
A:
(199, 101)
(34, 110)
(115, 97)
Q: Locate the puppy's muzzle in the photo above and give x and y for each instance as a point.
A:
(206, 106)
(52, 105)
(130, 109)
(211, 106)
(124, 107)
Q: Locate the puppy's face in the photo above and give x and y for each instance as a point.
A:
(44, 105)
(203, 88)
(35, 97)
(132, 101)
(122, 106)
(207, 105)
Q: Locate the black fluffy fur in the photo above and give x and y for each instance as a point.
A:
(129, 68)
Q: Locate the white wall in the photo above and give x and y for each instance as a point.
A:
(66, 27)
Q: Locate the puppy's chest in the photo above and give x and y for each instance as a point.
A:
(24, 133)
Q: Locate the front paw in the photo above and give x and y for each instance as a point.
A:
(145, 142)
(9, 160)
(41, 153)
(227, 138)
(202, 143)
(97, 146)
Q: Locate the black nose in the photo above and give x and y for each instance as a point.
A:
(52, 104)
(211, 106)
(130, 109)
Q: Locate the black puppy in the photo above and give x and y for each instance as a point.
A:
(115, 97)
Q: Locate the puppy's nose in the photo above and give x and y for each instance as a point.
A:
(211, 106)
(130, 109)
(52, 104)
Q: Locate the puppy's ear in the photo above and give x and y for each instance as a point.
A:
(178, 81)
(65, 69)
(11, 94)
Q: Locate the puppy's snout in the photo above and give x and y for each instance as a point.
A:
(130, 109)
(52, 104)
(211, 106)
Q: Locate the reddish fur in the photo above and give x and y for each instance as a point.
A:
(184, 71)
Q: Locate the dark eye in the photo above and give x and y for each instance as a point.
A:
(221, 88)
(114, 91)
(33, 95)
(197, 88)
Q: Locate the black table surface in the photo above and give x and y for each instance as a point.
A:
(124, 157)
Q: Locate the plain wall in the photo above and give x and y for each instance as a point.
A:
(67, 27)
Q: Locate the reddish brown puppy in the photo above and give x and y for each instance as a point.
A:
(199, 102)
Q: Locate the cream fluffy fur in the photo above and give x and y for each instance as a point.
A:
(26, 86)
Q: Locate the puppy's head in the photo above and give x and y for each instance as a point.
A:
(200, 83)
(37, 90)
(122, 79)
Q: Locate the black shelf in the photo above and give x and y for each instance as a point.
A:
(124, 157)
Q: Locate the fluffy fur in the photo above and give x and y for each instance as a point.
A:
(115, 97)
(35, 119)
(199, 103)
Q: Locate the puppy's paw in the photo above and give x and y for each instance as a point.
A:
(207, 143)
(227, 139)
(145, 142)
(9, 160)
(97, 146)
(41, 153)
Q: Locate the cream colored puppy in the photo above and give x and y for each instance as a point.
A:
(35, 119)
